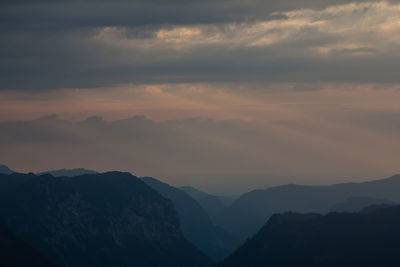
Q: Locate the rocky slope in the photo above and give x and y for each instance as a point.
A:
(109, 219)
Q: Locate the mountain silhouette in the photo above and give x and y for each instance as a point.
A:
(250, 211)
(212, 204)
(196, 224)
(363, 239)
(68, 172)
(108, 219)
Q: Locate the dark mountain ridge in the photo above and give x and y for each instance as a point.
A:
(369, 238)
(108, 219)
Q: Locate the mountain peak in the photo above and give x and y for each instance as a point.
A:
(5, 170)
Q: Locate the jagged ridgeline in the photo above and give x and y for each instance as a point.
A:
(109, 219)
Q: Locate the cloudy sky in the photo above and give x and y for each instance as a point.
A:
(227, 94)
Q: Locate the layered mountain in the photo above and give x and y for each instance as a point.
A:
(14, 252)
(108, 219)
(356, 204)
(363, 239)
(68, 172)
(197, 226)
(248, 213)
(212, 204)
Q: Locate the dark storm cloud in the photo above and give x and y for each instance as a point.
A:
(46, 14)
(62, 44)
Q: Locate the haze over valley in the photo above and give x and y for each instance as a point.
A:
(199, 133)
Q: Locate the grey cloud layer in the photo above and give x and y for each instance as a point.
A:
(46, 14)
(67, 44)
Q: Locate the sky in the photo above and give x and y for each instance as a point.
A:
(224, 95)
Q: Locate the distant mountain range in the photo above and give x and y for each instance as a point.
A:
(108, 219)
(68, 172)
(82, 218)
(196, 224)
(56, 173)
(356, 204)
(212, 204)
(368, 239)
(250, 211)
(198, 194)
